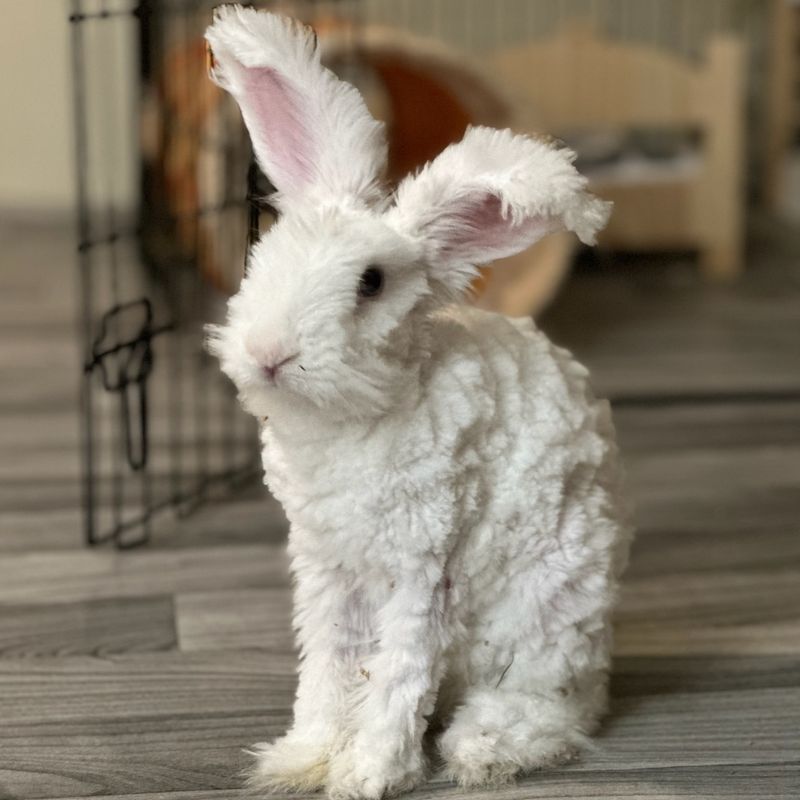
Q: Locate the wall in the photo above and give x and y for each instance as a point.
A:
(36, 170)
(37, 164)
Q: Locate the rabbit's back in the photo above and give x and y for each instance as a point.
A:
(513, 393)
(541, 445)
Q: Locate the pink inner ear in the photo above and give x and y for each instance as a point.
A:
(278, 127)
(475, 223)
(478, 232)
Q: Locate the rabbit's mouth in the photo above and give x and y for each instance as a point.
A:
(273, 368)
(287, 377)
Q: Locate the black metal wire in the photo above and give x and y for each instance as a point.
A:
(81, 16)
(126, 331)
(84, 275)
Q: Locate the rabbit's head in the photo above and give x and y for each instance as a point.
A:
(332, 310)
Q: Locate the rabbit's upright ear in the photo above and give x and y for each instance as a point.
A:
(492, 195)
(311, 132)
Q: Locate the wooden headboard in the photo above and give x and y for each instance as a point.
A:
(581, 80)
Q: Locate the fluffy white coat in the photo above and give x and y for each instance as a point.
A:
(457, 527)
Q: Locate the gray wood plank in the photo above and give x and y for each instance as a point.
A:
(649, 326)
(721, 426)
(673, 550)
(749, 490)
(63, 577)
(46, 529)
(235, 620)
(770, 782)
(743, 612)
(647, 675)
(700, 783)
(94, 627)
(251, 516)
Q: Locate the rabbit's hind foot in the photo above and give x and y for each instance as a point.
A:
(496, 735)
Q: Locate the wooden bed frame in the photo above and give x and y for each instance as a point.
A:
(579, 80)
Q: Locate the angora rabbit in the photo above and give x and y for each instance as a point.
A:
(457, 529)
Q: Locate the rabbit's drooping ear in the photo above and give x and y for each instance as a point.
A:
(311, 132)
(492, 195)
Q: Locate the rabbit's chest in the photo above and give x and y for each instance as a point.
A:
(316, 484)
(360, 502)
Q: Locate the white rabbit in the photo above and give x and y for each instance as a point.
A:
(457, 529)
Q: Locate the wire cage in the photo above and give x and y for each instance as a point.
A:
(168, 202)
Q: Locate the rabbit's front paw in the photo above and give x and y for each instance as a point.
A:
(360, 773)
(289, 764)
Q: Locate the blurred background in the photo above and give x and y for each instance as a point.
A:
(685, 113)
(128, 198)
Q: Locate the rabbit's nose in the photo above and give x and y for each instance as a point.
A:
(270, 358)
(270, 369)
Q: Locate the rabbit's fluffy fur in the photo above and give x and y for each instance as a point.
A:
(457, 529)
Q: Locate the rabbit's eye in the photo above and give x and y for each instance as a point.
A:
(371, 282)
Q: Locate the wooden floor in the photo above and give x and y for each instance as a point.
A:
(143, 674)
